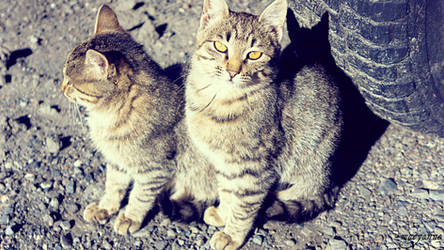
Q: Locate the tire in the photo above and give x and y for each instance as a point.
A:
(392, 50)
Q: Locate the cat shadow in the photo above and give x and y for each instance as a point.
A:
(362, 128)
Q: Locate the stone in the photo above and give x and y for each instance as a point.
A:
(387, 186)
(257, 239)
(437, 195)
(290, 243)
(52, 146)
(420, 193)
(66, 241)
(9, 231)
(337, 244)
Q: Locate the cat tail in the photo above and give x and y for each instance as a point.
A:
(301, 210)
(183, 210)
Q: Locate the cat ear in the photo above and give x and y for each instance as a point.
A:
(213, 10)
(106, 21)
(97, 63)
(274, 17)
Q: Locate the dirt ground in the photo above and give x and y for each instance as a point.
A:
(49, 170)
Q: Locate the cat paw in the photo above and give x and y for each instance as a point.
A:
(212, 217)
(221, 240)
(125, 225)
(93, 213)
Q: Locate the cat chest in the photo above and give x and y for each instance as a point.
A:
(223, 141)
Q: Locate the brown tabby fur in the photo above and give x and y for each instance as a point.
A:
(134, 113)
(261, 135)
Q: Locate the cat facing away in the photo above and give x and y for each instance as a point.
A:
(135, 115)
(263, 137)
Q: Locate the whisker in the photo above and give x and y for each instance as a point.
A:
(211, 101)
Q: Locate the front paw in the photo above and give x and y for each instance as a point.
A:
(93, 213)
(125, 225)
(221, 240)
(212, 217)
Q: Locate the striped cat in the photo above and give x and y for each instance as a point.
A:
(263, 137)
(136, 122)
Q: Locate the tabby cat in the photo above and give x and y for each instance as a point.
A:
(133, 109)
(264, 137)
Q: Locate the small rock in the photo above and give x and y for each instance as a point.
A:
(52, 146)
(170, 234)
(290, 243)
(429, 184)
(65, 225)
(194, 229)
(54, 203)
(107, 245)
(30, 177)
(46, 185)
(387, 186)
(420, 193)
(402, 211)
(437, 195)
(330, 231)
(9, 231)
(337, 244)
(66, 241)
(71, 187)
(257, 239)
(72, 207)
(77, 163)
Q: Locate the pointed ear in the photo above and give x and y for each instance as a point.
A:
(97, 63)
(274, 17)
(106, 21)
(213, 11)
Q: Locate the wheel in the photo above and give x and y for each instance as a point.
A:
(392, 50)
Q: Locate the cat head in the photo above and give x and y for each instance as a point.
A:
(238, 49)
(90, 76)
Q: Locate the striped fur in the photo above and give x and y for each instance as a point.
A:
(136, 122)
(259, 134)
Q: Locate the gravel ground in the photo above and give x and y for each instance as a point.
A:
(49, 172)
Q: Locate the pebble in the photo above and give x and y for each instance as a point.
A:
(30, 177)
(437, 195)
(52, 146)
(420, 193)
(387, 186)
(257, 239)
(9, 231)
(71, 187)
(66, 241)
(46, 185)
(337, 244)
(107, 245)
(77, 163)
(170, 234)
(54, 203)
(65, 225)
(290, 242)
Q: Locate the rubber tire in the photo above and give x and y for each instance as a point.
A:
(392, 50)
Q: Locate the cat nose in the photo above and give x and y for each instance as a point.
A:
(232, 73)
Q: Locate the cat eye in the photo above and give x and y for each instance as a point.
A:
(220, 47)
(254, 55)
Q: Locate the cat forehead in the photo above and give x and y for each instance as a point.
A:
(241, 26)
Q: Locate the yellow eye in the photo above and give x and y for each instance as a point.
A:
(254, 55)
(220, 47)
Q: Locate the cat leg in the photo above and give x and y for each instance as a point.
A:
(217, 216)
(240, 200)
(147, 186)
(116, 184)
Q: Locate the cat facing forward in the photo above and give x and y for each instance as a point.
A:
(263, 137)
